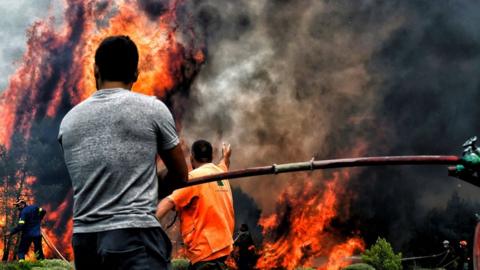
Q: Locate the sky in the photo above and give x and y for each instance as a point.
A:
(15, 18)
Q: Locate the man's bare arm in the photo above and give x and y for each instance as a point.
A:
(176, 174)
(226, 153)
(163, 207)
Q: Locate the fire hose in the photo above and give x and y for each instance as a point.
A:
(329, 164)
(466, 168)
(53, 248)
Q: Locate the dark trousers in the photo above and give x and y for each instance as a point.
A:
(123, 249)
(217, 264)
(26, 242)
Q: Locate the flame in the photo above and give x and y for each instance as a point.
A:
(56, 72)
(55, 219)
(338, 257)
(299, 234)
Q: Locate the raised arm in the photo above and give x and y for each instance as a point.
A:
(226, 153)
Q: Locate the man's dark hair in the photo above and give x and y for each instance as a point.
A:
(117, 59)
(202, 151)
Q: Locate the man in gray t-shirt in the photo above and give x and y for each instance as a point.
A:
(110, 143)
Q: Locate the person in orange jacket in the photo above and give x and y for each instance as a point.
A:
(205, 211)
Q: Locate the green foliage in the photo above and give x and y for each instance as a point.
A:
(180, 264)
(38, 265)
(381, 256)
(359, 266)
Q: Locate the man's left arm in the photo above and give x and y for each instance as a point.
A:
(178, 199)
(165, 205)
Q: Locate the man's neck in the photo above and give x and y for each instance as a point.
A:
(112, 84)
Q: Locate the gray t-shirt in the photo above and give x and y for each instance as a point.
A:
(110, 141)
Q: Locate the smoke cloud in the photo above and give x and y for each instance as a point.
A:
(15, 18)
(288, 80)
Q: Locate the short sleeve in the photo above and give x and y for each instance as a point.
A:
(182, 197)
(60, 134)
(164, 124)
(60, 131)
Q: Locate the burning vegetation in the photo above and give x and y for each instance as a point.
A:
(299, 232)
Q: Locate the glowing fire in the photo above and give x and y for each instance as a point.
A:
(299, 233)
(56, 72)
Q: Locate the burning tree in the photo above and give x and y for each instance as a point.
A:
(14, 178)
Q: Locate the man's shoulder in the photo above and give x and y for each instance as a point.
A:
(29, 208)
(139, 96)
(145, 102)
(75, 110)
(206, 169)
(150, 100)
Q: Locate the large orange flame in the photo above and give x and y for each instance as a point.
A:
(299, 233)
(56, 72)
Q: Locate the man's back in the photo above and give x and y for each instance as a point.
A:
(110, 143)
(31, 216)
(207, 216)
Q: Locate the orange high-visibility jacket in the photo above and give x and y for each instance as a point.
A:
(206, 216)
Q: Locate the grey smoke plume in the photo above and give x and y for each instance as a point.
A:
(15, 18)
(288, 80)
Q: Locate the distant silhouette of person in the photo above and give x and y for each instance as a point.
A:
(245, 249)
(29, 225)
(463, 253)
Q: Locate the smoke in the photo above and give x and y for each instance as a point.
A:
(288, 80)
(153, 8)
(427, 70)
(15, 17)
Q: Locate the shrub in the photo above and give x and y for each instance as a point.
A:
(381, 256)
(180, 264)
(37, 265)
(359, 266)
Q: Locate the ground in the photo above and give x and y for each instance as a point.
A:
(40, 265)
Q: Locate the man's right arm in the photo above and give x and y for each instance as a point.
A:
(20, 225)
(226, 153)
(170, 150)
(176, 173)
